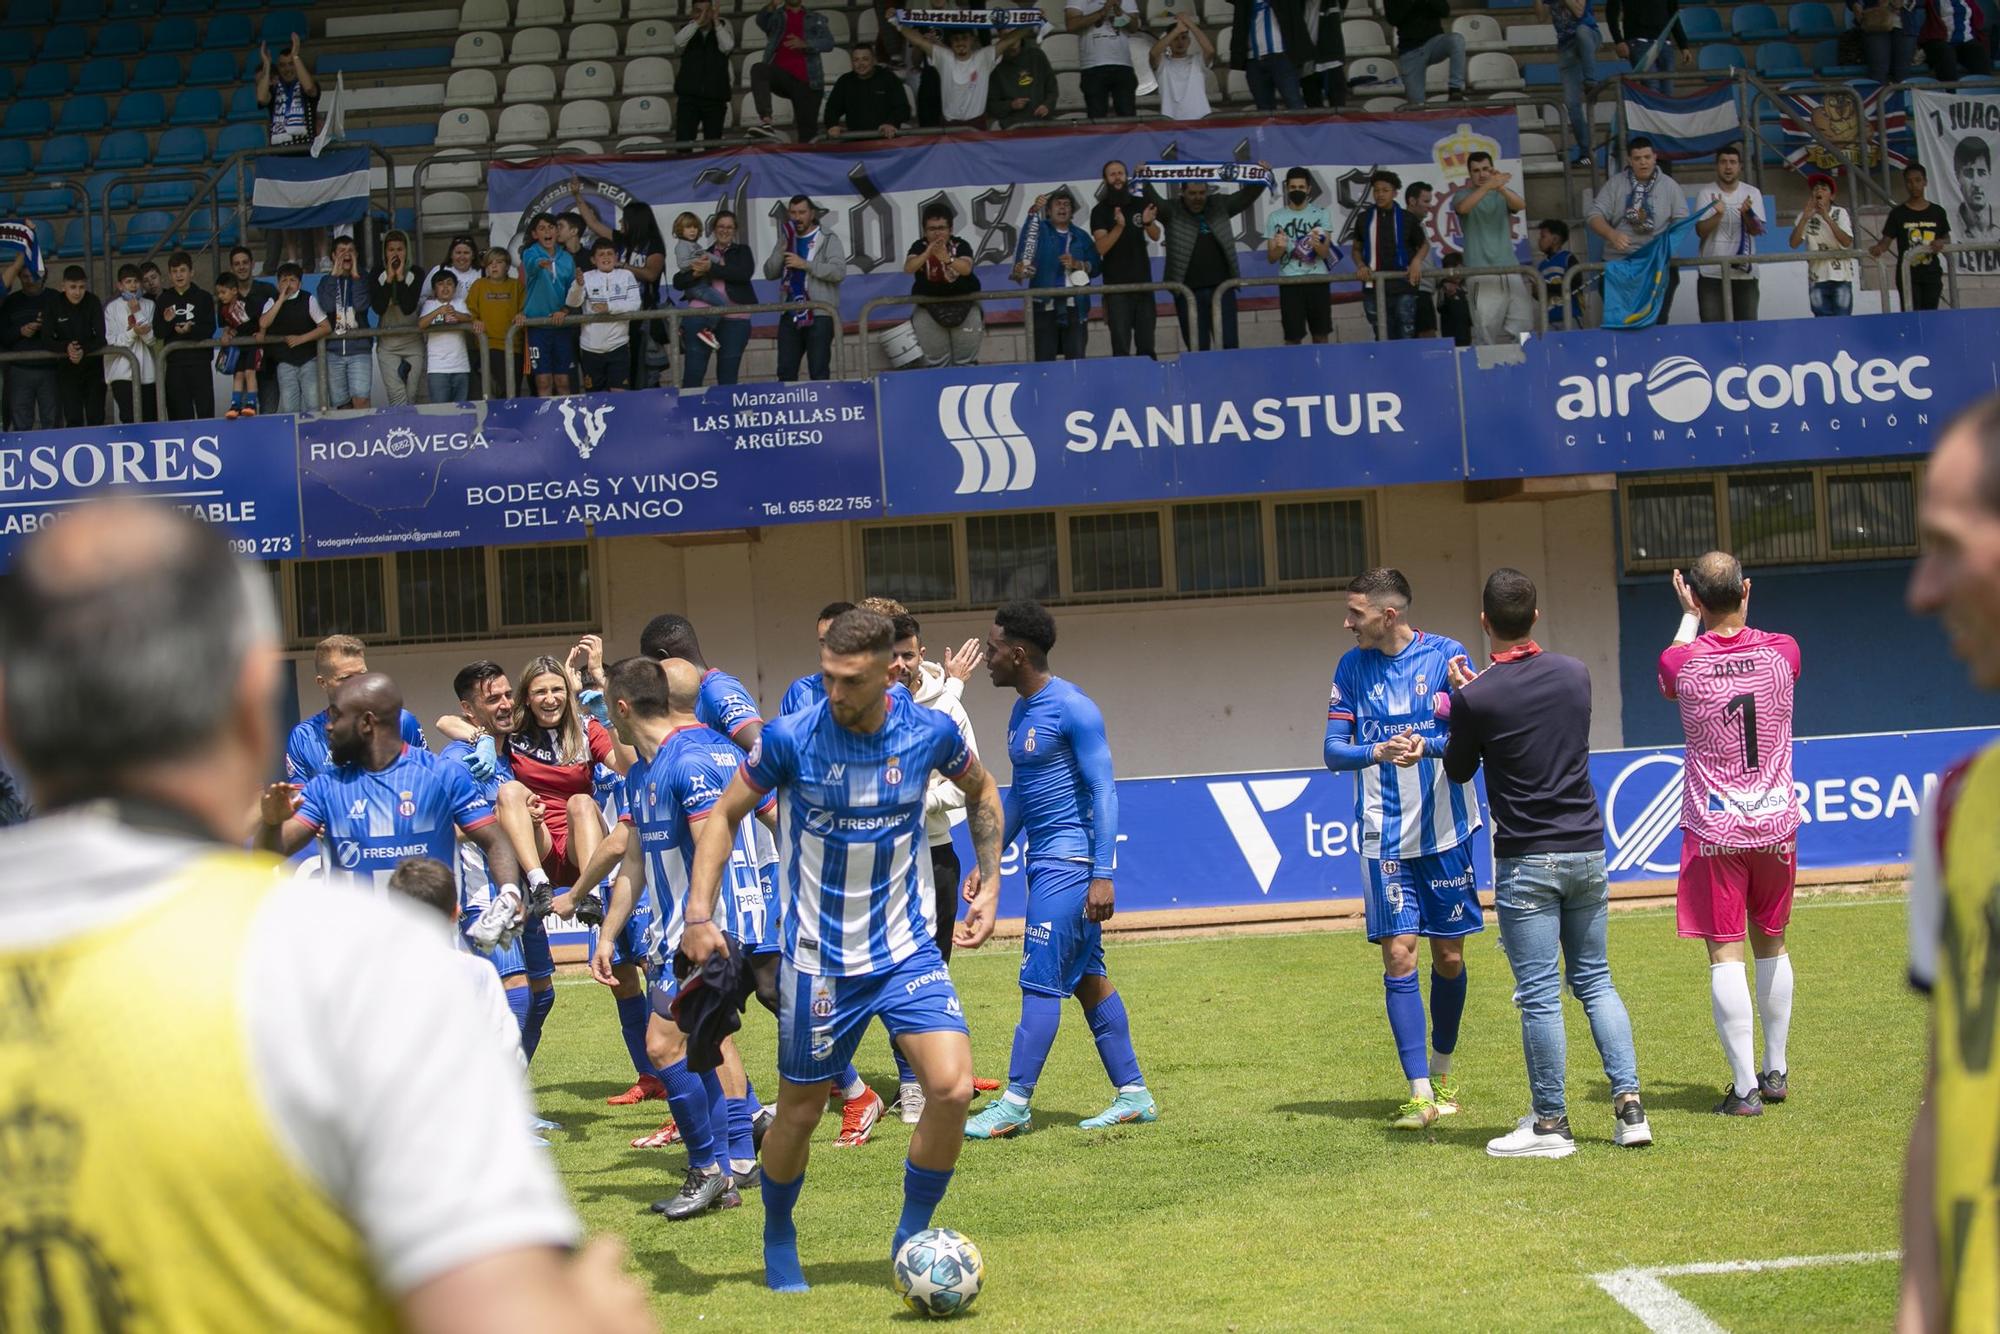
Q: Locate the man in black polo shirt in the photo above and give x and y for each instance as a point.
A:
(1528, 717)
(1121, 224)
(867, 100)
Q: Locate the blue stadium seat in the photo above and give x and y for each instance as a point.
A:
(239, 4)
(1721, 55)
(6, 83)
(1755, 23)
(102, 75)
(45, 232)
(79, 11)
(63, 154)
(123, 150)
(27, 14)
(72, 237)
(1611, 67)
(227, 187)
(197, 106)
(45, 81)
(98, 183)
(175, 34)
(1541, 76)
(14, 157)
(238, 139)
(243, 104)
(280, 24)
(20, 51)
(144, 231)
(1780, 60)
(6, 203)
(165, 194)
(184, 6)
(121, 38)
(1701, 25)
(181, 147)
(228, 32)
(212, 69)
(140, 111)
(1812, 19)
(252, 58)
(196, 232)
(132, 9)
(64, 44)
(83, 115)
(48, 201)
(157, 71)
(26, 118)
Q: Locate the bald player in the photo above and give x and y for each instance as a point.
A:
(323, 1154)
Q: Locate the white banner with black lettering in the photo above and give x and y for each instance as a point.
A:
(1957, 135)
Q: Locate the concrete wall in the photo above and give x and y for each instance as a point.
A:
(1207, 686)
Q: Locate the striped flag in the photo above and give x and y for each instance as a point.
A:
(1685, 125)
(294, 194)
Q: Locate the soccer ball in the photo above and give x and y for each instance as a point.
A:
(939, 1272)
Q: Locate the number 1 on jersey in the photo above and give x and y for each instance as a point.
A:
(1747, 706)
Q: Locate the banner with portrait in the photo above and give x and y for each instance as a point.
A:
(1957, 135)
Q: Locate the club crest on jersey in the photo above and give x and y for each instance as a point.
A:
(892, 772)
(1391, 868)
(1419, 691)
(822, 1003)
(406, 806)
(1029, 744)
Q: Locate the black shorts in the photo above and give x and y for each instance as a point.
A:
(1303, 307)
(607, 370)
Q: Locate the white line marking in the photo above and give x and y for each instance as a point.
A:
(1660, 1309)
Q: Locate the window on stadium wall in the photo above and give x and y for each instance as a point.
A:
(440, 595)
(1128, 553)
(1771, 516)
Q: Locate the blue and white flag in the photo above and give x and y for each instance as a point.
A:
(1684, 125)
(1635, 283)
(18, 237)
(294, 194)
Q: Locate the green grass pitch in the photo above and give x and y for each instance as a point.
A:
(1271, 1194)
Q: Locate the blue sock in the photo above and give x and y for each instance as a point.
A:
(847, 1079)
(1447, 1007)
(1041, 1016)
(689, 1103)
(632, 1012)
(517, 1001)
(539, 1005)
(903, 1071)
(718, 1117)
(1113, 1031)
(750, 1096)
(1406, 1024)
(781, 1238)
(922, 1190)
(742, 1144)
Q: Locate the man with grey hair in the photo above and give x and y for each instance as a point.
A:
(321, 1099)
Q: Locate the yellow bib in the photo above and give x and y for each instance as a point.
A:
(1967, 999)
(141, 1188)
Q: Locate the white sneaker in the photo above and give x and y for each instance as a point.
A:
(911, 1102)
(1630, 1129)
(1527, 1141)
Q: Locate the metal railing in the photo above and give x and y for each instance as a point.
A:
(673, 315)
(52, 359)
(128, 181)
(1951, 271)
(1585, 269)
(1379, 283)
(1027, 296)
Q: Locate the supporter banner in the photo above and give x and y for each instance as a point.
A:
(1232, 840)
(872, 197)
(241, 475)
(1956, 137)
(1221, 423)
(1726, 394)
(540, 470)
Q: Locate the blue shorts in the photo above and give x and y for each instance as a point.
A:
(551, 351)
(528, 955)
(1435, 896)
(821, 1019)
(1059, 948)
(666, 988)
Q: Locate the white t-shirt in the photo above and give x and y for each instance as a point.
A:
(490, 995)
(964, 84)
(617, 290)
(378, 1072)
(1728, 238)
(120, 317)
(445, 351)
(1102, 43)
(1183, 86)
(1819, 236)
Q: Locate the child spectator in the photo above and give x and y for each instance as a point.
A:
(704, 293)
(1824, 225)
(186, 314)
(1552, 244)
(1454, 307)
(447, 367)
(128, 323)
(73, 329)
(495, 299)
(294, 318)
(603, 289)
(238, 363)
(546, 274)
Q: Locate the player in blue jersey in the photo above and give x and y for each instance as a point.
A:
(1064, 800)
(683, 768)
(1416, 826)
(851, 774)
(381, 801)
(725, 705)
(335, 659)
(809, 689)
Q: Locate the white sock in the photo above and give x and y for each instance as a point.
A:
(1729, 998)
(1774, 1007)
(1440, 1064)
(855, 1089)
(1013, 1098)
(537, 876)
(1420, 1090)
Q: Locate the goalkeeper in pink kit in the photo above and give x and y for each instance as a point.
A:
(1739, 815)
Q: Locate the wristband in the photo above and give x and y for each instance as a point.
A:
(697, 921)
(1690, 627)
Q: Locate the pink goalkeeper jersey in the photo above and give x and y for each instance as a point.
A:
(1735, 695)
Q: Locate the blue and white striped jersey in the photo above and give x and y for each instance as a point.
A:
(665, 800)
(367, 821)
(608, 789)
(855, 861)
(724, 704)
(306, 749)
(803, 693)
(1413, 812)
(475, 881)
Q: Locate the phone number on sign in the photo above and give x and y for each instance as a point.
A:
(261, 546)
(830, 505)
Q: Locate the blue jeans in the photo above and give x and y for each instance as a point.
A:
(734, 335)
(1445, 46)
(1556, 904)
(349, 375)
(1402, 313)
(1272, 78)
(1669, 58)
(298, 387)
(1576, 61)
(1831, 298)
(448, 386)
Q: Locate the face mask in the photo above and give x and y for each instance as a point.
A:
(1296, 198)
